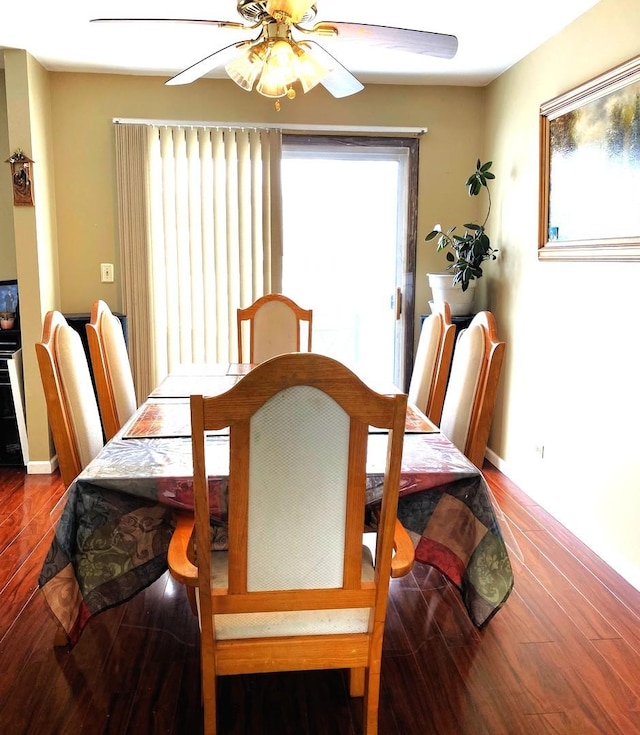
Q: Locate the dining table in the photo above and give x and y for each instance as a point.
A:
(113, 533)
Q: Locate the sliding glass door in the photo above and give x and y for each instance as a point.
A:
(346, 248)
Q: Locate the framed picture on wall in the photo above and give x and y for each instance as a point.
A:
(9, 307)
(590, 169)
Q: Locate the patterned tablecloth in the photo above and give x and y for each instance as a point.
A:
(113, 534)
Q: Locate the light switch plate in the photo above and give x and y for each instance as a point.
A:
(106, 272)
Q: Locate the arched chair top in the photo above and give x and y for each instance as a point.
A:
(432, 362)
(71, 403)
(473, 386)
(275, 325)
(111, 368)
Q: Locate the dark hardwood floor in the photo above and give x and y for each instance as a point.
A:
(562, 656)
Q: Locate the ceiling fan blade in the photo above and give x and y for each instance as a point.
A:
(216, 23)
(340, 82)
(395, 39)
(204, 66)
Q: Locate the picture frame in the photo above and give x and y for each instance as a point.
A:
(22, 179)
(9, 305)
(590, 169)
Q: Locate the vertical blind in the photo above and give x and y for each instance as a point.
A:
(209, 240)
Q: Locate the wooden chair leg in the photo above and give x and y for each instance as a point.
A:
(371, 703)
(209, 695)
(356, 682)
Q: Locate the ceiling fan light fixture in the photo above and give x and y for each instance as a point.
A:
(247, 67)
(279, 70)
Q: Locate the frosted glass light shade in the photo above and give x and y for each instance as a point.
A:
(279, 70)
(308, 69)
(247, 67)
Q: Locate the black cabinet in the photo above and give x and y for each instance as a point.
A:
(79, 323)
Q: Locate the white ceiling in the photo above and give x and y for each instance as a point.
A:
(493, 35)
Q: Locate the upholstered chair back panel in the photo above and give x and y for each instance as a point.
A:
(118, 365)
(292, 482)
(426, 360)
(275, 331)
(464, 379)
(76, 384)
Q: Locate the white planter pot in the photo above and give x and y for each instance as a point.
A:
(442, 288)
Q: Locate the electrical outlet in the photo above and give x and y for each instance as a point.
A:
(106, 272)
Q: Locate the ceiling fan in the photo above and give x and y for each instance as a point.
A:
(285, 50)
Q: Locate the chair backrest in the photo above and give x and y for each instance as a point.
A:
(275, 325)
(433, 361)
(473, 385)
(298, 445)
(111, 368)
(71, 402)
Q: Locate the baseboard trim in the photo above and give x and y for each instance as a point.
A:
(43, 467)
(495, 460)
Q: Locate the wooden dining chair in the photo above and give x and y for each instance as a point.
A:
(473, 384)
(296, 589)
(71, 402)
(275, 324)
(433, 361)
(111, 369)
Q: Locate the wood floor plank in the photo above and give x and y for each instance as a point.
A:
(81, 673)
(580, 586)
(599, 692)
(22, 586)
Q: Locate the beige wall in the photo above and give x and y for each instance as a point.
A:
(30, 129)
(84, 106)
(572, 365)
(7, 243)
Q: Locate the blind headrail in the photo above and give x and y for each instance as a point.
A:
(285, 128)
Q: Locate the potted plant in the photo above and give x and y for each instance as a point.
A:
(7, 319)
(466, 252)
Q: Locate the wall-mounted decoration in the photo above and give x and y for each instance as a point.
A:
(590, 169)
(22, 176)
(9, 308)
